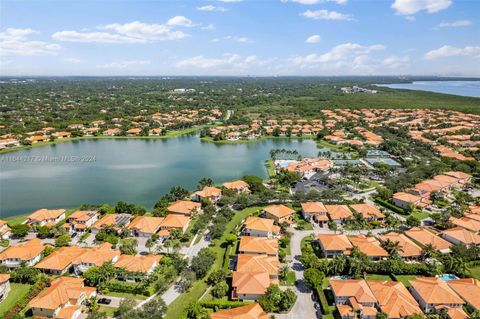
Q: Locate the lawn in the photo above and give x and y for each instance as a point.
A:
(15, 220)
(17, 292)
(420, 214)
(301, 223)
(325, 144)
(107, 310)
(474, 271)
(270, 168)
(378, 277)
(404, 279)
(290, 280)
(127, 295)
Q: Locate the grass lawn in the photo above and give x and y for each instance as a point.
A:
(405, 278)
(419, 214)
(378, 277)
(17, 292)
(15, 220)
(325, 282)
(302, 224)
(325, 144)
(270, 168)
(107, 310)
(177, 307)
(474, 271)
(290, 280)
(127, 295)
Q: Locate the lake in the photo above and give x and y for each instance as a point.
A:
(463, 88)
(139, 171)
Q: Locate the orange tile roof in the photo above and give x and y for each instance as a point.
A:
(337, 212)
(459, 175)
(209, 192)
(335, 242)
(184, 207)
(236, 185)
(258, 263)
(137, 263)
(262, 224)
(367, 210)
(46, 214)
(252, 311)
(279, 211)
(425, 237)
(409, 248)
(83, 215)
(60, 259)
(368, 245)
(97, 255)
(435, 291)
(353, 288)
(462, 235)
(23, 251)
(406, 197)
(146, 224)
(394, 299)
(110, 220)
(4, 278)
(258, 245)
(457, 313)
(250, 283)
(314, 207)
(175, 221)
(468, 289)
(471, 224)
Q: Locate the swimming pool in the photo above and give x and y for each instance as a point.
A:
(447, 277)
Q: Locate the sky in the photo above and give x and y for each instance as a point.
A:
(235, 37)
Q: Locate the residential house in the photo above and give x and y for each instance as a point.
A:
(334, 245)
(408, 249)
(251, 311)
(339, 214)
(471, 224)
(259, 263)
(80, 220)
(279, 213)
(145, 226)
(315, 211)
(211, 193)
(117, 221)
(468, 289)
(393, 299)
(405, 200)
(461, 177)
(425, 238)
(4, 286)
(5, 231)
(173, 221)
(370, 246)
(134, 132)
(46, 217)
(459, 235)
(355, 294)
(368, 212)
(63, 299)
(61, 135)
(28, 252)
(260, 227)
(431, 292)
(258, 245)
(137, 266)
(238, 186)
(249, 286)
(185, 207)
(60, 261)
(95, 256)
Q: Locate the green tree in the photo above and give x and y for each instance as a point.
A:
(20, 230)
(202, 262)
(255, 183)
(204, 182)
(219, 290)
(63, 240)
(313, 277)
(128, 246)
(126, 305)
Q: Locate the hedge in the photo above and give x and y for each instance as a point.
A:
(226, 257)
(390, 206)
(222, 304)
(323, 300)
(127, 287)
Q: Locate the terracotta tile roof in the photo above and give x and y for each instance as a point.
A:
(258, 263)
(425, 237)
(252, 311)
(112, 220)
(258, 245)
(46, 214)
(394, 299)
(138, 263)
(279, 211)
(468, 289)
(367, 210)
(337, 212)
(61, 259)
(4, 278)
(462, 235)
(209, 192)
(353, 288)
(83, 215)
(457, 313)
(146, 224)
(459, 175)
(67, 312)
(236, 185)
(23, 251)
(314, 207)
(474, 209)
(184, 207)
(467, 223)
(250, 282)
(368, 245)
(261, 224)
(435, 291)
(409, 248)
(406, 197)
(335, 242)
(97, 255)
(175, 221)
(346, 311)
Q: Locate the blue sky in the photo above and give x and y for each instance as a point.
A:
(233, 37)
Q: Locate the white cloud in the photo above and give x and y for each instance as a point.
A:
(72, 60)
(449, 51)
(215, 40)
(180, 21)
(326, 15)
(238, 39)
(409, 7)
(232, 62)
(209, 27)
(311, 2)
(16, 42)
(455, 24)
(133, 32)
(123, 64)
(211, 8)
(313, 39)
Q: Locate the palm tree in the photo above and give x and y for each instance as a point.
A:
(427, 251)
(392, 247)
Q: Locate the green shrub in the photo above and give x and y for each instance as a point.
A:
(390, 206)
(323, 300)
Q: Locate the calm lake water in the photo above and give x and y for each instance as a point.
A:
(464, 88)
(134, 170)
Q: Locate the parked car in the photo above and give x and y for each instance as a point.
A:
(104, 301)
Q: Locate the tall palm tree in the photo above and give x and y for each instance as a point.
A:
(392, 247)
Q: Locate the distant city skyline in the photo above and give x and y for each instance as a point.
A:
(235, 37)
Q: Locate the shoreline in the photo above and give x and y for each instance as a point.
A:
(259, 139)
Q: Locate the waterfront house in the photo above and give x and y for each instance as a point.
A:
(63, 299)
(133, 132)
(334, 245)
(238, 186)
(28, 253)
(171, 222)
(61, 135)
(260, 227)
(251, 311)
(258, 245)
(431, 292)
(46, 217)
(80, 220)
(117, 221)
(315, 211)
(279, 213)
(185, 207)
(211, 193)
(249, 286)
(145, 226)
(4, 286)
